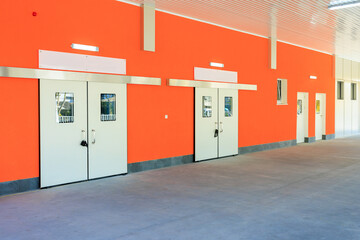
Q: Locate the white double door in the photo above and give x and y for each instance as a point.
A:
(82, 131)
(216, 123)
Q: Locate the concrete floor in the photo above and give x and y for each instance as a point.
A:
(310, 191)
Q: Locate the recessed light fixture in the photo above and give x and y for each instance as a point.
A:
(84, 47)
(338, 4)
(313, 77)
(214, 64)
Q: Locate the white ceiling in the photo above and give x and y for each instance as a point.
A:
(307, 23)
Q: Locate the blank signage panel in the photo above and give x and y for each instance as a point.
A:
(207, 74)
(106, 65)
(61, 60)
(80, 62)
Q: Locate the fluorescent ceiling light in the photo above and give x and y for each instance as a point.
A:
(313, 77)
(214, 64)
(84, 47)
(337, 4)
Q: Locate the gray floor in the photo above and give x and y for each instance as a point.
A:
(310, 191)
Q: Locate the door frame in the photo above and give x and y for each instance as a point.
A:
(305, 109)
(218, 122)
(322, 97)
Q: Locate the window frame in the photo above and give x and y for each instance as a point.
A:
(281, 91)
(340, 90)
(353, 91)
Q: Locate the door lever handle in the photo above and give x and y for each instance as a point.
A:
(94, 135)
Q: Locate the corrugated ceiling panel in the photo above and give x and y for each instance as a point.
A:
(307, 23)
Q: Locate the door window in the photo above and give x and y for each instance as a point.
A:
(64, 107)
(108, 107)
(228, 106)
(207, 106)
(317, 107)
(299, 106)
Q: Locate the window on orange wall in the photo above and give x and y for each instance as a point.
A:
(281, 92)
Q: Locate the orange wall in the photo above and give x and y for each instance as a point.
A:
(181, 44)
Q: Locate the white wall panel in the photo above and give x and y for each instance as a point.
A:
(208, 74)
(354, 71)
(81, 62)
(339, 67)
(354, 116)
(347, 109)
(339, 118)
(347, 70)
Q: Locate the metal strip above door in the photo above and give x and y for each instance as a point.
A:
(15, 72)
(204, 84)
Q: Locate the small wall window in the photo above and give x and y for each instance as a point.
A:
(108, 107)
(281, 91)
(340, 90)
(207, 106)
(228, 106)
(64, 107)
(353, 91)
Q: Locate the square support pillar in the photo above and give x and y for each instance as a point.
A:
(149, 26)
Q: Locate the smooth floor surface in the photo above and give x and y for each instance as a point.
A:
(310, 191)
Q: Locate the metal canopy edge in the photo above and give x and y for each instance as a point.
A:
(15, 72)
(204, 84)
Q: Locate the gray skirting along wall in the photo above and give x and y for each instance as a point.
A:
(328, 137)
(34, 183)
(19, 186)
(159, 163)
(268, 146)
(310, 139)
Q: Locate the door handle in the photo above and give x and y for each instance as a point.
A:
(216, 134)
(93, 135)
(221, 127)
(83, 136)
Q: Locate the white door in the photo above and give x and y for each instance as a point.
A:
(63, 127)
(320, 115)
(107, 129)
(228, 122)
(82, 131)
(302, 117)
(206, 123)
(216, 123)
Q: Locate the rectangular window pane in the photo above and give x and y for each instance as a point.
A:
(340, 90)
(353, 91)
(207, 106)
(317, 107)
(228, 106)
(299, 106)
(64, 107)
(108, 107)
(279, 90)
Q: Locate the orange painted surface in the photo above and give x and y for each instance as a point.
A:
(181, 45)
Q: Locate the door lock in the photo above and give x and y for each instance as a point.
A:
(83, 143)
(216, 133)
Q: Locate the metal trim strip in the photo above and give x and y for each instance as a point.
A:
(15, 72)
(204, 84)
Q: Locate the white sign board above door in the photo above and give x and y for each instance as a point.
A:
(80, 62)
(208, 74)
